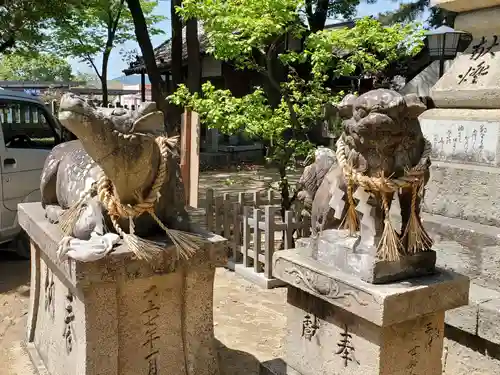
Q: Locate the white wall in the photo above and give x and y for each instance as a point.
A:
(425, 80)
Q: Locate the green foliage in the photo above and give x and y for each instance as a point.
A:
(235, 28)
(369, 46)
(410, 11)
(97, 28)
(22, 22)
(366, 49)
(41, 67)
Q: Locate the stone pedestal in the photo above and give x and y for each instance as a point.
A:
(338, 324)
(119, 316)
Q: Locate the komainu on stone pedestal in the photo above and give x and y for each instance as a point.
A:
(122, 174)
(120, 315)
(382, 160)
(101, 306)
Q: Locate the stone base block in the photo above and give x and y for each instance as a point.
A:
(119, 315)
(325, 339)
(338, 324)
(410, 266)
(336, 248)
(257, 278)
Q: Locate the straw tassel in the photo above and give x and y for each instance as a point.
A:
(69, 217)
(390, 246)
(351, 220)
(417, 238)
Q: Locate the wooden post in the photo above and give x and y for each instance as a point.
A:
(190, 156)
(186, 152)
(194, 160)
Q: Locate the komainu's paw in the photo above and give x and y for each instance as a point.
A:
(52, 213)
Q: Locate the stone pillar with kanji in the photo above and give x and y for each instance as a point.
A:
(339, 324)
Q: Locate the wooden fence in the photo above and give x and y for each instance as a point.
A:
(255, 229)
(54, 106)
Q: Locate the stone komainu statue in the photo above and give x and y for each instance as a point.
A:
(381, 155)
(121, 175)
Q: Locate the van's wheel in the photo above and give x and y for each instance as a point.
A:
(22, 243)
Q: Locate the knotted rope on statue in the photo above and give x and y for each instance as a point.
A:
(390, 246)
(186, 243)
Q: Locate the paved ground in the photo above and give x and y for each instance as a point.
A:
(249, 321)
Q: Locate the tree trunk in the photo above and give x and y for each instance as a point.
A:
(176, 60)
(8, 43)
(104, 88)
(194, 57)
(104, 76)
(317, 18)
(176, 44)
(142, 36)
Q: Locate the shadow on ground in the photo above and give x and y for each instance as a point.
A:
(236, 362)
(14, 272)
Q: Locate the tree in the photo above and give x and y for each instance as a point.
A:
(250, 34)
(37, 67)
(408, 12)
(85, 78)
(148, 55)
(22, 22)
(96, 29)
(317, 11)
(194, 58)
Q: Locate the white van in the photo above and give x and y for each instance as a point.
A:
(28, 132)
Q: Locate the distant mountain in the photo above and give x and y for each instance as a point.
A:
(131, 80)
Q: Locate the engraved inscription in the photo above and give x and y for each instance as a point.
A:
(413, 363)
(483, 47)
(474, 73)
(345, 347)
(49, 292)
(479, 50)
(432, 334)
(309, 326)
(150, 315)
(68, 323)
(323, 286)
(470, 141)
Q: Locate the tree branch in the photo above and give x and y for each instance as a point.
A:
(8, 43)
(269, 57)
(117, 19)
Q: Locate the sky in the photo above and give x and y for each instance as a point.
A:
(116, 64)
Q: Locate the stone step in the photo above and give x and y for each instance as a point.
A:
(479, 318)
(466, 247)
(472, 249)
(464, 191)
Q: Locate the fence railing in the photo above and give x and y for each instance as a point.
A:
(54, 106)
(255, 228)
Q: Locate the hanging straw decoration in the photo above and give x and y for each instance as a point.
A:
(351, 219)
(186, 243)
(390, 246)
(70, 216)
(415, 235)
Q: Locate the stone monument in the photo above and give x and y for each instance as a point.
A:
(363, 297)
(461, 200)
(121, 281)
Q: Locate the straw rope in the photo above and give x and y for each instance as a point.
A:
(382, 184)
(186, 243)
(390, 246)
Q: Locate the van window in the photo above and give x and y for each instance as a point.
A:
(26, 125)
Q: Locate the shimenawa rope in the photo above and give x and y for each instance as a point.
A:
(390, 246)
(186, 243)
